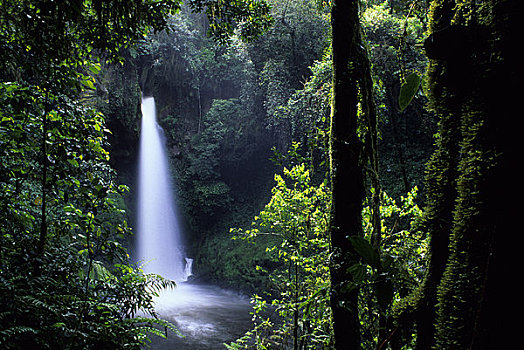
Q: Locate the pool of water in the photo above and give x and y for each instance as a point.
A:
(207, 317)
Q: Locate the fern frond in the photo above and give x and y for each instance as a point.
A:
(153, 330)
(64, 298)
(157, 283)
(108, 306)
(13, 331)
(101, 273)
(37, 304)
(4, 314)
(158, 321)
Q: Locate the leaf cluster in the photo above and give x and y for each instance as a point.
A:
(64, 289)
(249, 18)
(65, 278)
(296, 219)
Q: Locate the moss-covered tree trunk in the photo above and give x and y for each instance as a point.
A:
(474, 86)
(346, 172)
(446, 98)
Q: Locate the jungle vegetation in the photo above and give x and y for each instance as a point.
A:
(352, 165)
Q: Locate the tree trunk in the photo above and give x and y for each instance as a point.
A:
(383, 287)
(473, 68)
(346, 172)
(45, 163)
(440, 182)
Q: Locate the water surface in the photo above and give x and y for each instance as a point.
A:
(206, 315)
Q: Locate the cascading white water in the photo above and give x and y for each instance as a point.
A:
(159, 243)
(206, 315)
(188, 270)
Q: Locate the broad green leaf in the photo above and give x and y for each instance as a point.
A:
(95, 68)
(408, 90)
(358, 271)
(73, 162)
(88, 83)
(368, 253)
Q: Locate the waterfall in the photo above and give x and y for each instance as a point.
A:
(159, 239)
(188, 270)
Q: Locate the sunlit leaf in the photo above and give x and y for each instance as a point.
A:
(408, 90)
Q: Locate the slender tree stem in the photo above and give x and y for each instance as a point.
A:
(43, 207)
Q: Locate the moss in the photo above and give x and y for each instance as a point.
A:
(459, 89)
(446, 308)
(233, 263)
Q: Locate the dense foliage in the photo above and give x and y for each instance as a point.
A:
(213, 103)
(340, 161)
(224, 107)
(293, 229)
(295, 219)
(66, 277)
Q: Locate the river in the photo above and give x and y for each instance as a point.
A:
(206, 315)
